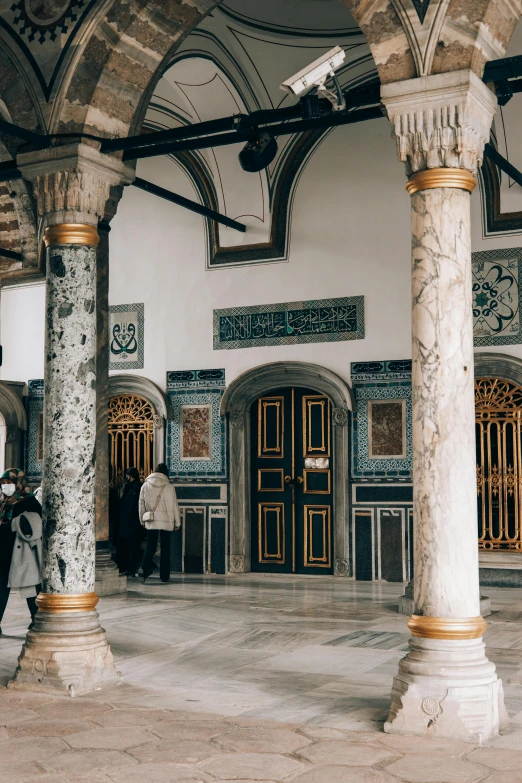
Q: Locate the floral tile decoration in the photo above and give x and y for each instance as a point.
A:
(196, 445)
(497, 297)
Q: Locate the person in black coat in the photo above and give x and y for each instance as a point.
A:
(14, 500)
(130, 529)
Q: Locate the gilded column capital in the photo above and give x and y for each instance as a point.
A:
(440, 121)
(72, 183)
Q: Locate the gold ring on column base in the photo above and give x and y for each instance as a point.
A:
(441, 178)
(57, 603)
(71, 234)
(446, 627)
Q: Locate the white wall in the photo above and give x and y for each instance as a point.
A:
(350, 236)
(22, 311)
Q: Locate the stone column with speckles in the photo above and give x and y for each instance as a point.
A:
(66, 650)
(445, 685)
(70, 419)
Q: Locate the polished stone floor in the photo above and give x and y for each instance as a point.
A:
(250, 678)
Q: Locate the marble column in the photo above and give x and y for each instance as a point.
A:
(445, 685)
(66, 650)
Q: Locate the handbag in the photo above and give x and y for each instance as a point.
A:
(148, 516)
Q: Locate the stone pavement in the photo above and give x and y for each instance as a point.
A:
(249, 678)
(48, 739)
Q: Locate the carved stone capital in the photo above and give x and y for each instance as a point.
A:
(440, 121)
(340, 417)
(72, 184)
(158, 421)
(237, 418)
(11, 435)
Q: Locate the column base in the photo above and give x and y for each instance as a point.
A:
(447, 688)
(407, 606)
(65, 653)
(236, 564)
(108, 579)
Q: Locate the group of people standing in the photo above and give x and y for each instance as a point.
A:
(151, 507)
(20, 541)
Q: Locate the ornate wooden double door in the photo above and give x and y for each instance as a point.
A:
(292, 488)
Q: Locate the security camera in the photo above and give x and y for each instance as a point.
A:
(314, 76)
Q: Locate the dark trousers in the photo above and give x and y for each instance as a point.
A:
(130, 553)
(4, 597)
(152, 543)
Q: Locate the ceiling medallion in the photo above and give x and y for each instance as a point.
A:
(44, 20)
(421, 6)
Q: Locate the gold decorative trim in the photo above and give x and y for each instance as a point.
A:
(447, 628)
(57, 603)
(441, 178)
(71, 234)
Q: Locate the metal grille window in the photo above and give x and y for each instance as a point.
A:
(498, 412)
(131, 430)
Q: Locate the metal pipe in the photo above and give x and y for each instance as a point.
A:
(199, 129)
(156, 190)
(22, 133)
(503, 164)
(11, 254)
(282, 129)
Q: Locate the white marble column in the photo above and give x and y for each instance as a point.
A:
(67, 650)
(445, 685)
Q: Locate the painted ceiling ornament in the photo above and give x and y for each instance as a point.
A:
(42, 20)
(421, 6)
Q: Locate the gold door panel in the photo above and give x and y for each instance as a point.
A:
(131, 433)
(317, 482)
(271, 427)
(316, 426)
(317, 534)
(498, 413)
(270, 480)
(271, 533)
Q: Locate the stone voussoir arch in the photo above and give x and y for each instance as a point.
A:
(236, 403)
(126, 49)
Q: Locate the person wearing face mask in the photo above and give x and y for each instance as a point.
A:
(130, 529)
(17, 506)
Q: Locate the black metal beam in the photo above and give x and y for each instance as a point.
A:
(199, 129)
(281, 129)
(22, 133)
(8, 171)
(149, 187)
(503, 164)
(11, 254)
(499, 70)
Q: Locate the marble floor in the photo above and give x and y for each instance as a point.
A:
(250, 678)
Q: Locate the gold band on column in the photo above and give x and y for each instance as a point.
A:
(447, 628)
(441, 178)
(57, 603)
(71, 234)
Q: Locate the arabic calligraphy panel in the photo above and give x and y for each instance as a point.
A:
(325, 320)
(126, 332)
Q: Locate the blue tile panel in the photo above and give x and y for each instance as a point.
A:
(196, 387)
(127, 346)
(316, 321)
(34, 407)
(379, 380)
(497, 297)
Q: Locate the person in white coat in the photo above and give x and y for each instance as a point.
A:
(159, 514)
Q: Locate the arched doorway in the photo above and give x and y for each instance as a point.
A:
(131, 437)
(498, 407)
(237, 403)
(292, 491)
